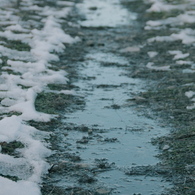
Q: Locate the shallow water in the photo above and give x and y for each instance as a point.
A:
(116, 132)
(124, 133)
(102, 13)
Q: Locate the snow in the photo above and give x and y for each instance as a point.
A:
(183, 62)
(23, 75)
(161, 6)
(178, 55)
(9, 187)
(179, 30)
(152, 54)
(151, 66)
(188, 71)
(191, 96)
(179, 20)
(130, 49)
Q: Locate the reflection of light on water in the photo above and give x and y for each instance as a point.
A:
(132, 185)
(133, 131)
(106, 13)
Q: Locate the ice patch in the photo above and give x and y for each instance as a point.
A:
(102, 13)
(107, 58)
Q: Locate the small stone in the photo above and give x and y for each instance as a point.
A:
(87, 179)
(90, 44)
(165, 147)
(93, 8)
(102, 191)
(90, 131)
(115, 106)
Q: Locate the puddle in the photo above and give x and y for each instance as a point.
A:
(108, 137)
(102, 13)
(119, 134)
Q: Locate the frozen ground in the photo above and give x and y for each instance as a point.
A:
(33, 37)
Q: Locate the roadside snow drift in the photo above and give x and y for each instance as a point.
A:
(31, 35)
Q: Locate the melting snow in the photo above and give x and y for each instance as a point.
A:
(178, 32)
(178, 55)
(24, 74)
(152, 54)
(150, 65)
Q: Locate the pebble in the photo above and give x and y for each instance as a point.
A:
(102, 191)
(165, 147)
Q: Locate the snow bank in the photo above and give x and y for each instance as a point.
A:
(24, 74)
(9, 187)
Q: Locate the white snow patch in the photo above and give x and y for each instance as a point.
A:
(29, 74)
(130, 49)
(17, 27)
(187, 70)
(191, 96)
(9, 187)
(152, 54)
(183, 62)
(178, 55)
(187, 36)
(65, 3)
(187, 17)
(191, 107)
(151, 66)
(160, 6)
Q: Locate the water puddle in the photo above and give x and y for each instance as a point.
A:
(115, 133)
(102, 13)
(102, 142)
